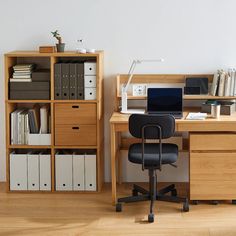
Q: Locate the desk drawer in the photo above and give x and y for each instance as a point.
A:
(213, 176)
(76, 135)
(211, 142)
(75, 113)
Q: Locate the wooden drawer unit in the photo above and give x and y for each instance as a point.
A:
(75, 113)
(213, 176)
(205, 141)
(212, 166)
(76, 135)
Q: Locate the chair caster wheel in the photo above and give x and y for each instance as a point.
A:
(234, 202)
(173, 192)
(134, 192)
(214, 202)
(186, 206)
(151, 218)
(195, 202)
(118, 207)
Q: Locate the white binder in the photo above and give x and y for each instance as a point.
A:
(18, 171)
(33, 171)
(90, 172)
(78, 172)
(45, 172)
(63, 172)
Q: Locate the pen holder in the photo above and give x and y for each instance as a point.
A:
(215, 110)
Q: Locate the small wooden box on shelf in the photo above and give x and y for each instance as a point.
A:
(84, 112)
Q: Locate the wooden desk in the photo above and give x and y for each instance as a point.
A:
(224, 140)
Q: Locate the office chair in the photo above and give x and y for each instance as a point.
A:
(152, 156)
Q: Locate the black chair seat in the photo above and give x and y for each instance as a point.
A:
(151, 156)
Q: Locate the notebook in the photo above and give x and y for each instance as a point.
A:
(165, 101)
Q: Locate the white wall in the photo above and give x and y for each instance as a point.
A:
(194, 36)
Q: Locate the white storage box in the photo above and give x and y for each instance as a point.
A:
(39, 139)
(45, 172)
(90, 68)
(18, 171)
(90, 172)
(63, 170)
(90, 81)
(90, 94)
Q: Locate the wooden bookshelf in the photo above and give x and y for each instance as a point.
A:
(47, 60)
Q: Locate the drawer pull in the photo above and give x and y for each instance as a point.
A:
(75, 106)
(75, 127)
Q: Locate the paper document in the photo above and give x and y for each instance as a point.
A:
(196, 116)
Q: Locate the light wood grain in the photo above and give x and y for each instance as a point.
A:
(75, 135)
(213, 176)
(213, 141)
(91, 214)
(93, 136)
(75, 113)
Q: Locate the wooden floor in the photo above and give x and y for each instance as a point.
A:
(92, 214)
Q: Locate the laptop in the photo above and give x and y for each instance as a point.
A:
(165, 101)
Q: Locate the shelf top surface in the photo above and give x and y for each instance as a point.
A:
(189, 97)
(54, 54)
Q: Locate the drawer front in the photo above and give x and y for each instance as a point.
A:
(213, 176)
(90, 94)
(90, 81)
(76, 135)
(90, 68)
(212, 142)
(75, 113)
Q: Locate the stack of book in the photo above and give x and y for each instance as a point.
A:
(29, 84)
(224, 83)
(22, 73)
(26, 121)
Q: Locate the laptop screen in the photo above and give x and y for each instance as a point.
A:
(165, 100)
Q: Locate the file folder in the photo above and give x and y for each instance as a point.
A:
(33, 171)
(90, 172)
(57, 81)
(80, 80)
(45, 172)
(63, 172)
(73, 81)
(18, 171)
(78, 172)
(65, 70)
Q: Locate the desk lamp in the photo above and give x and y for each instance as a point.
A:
(125, 88)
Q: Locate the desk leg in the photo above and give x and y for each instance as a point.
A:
(113, 163)
(119, 157)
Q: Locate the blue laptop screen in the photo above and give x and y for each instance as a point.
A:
(165, 100)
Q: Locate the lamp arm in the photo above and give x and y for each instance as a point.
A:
(125, 87)
(131, 73)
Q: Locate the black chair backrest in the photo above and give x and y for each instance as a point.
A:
(166, 122)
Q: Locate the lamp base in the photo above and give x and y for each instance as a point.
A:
(133, 111)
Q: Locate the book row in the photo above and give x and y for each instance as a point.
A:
(75, 81)
(73, 172)
(224, 83)
(27, 121)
